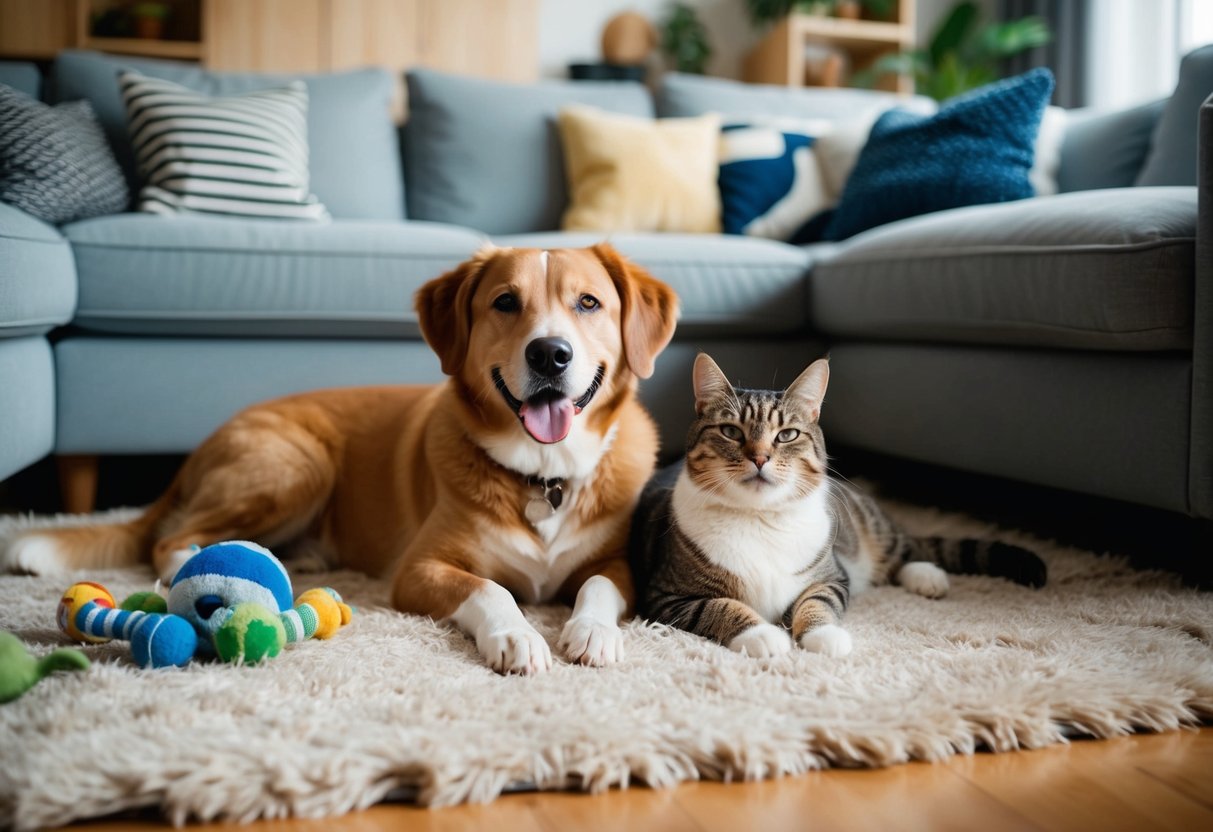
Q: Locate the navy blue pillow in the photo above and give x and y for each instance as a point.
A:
(977, 148)
(770, 183)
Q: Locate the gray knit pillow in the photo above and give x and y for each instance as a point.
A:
(55, 162)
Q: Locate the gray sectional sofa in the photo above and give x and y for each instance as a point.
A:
(1063, 340)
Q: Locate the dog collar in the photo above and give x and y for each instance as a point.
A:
(551, 497)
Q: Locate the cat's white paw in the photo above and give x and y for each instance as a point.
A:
(828, 640)
(518, 650)
(925, 579)
(762, 641)
(586, 640)
(33, 554)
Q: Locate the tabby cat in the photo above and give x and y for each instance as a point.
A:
(750, 539)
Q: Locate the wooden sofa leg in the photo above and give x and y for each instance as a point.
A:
(78, 481)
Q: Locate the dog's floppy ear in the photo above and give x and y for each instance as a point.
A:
(444, 309)
(650, 309)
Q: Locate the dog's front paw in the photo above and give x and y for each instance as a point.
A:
(518, 650)
(33, 554)
(588, 641)
(828, 640)
(762, 641)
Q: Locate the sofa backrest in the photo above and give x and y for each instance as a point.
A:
(683, 96)
(487, 155)
(1172, 159)
(22, 77)
(1106, 149)
(353, 144)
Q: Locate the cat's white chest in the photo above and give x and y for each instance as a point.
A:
(770, 552)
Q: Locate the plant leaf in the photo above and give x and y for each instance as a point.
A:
(953, 31)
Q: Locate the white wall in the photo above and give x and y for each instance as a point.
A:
(570, 31)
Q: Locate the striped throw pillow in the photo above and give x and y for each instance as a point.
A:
(241, 155)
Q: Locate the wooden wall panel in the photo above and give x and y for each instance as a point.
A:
(266, 35)
(36, 29)
(498, 39)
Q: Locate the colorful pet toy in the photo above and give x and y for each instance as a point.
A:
(19, 671)
(231, 600)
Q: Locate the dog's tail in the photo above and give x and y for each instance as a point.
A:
(66, 548)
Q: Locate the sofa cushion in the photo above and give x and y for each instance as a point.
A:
(1106, 149)
(37, 275)
(1172, 158)
(1109, 270)
(235, 155)
(55, 162)
(487, 155)
(726, 285)
(681, 96)
(977, 149)
(640, 174)
(210, 276)
(354, 153)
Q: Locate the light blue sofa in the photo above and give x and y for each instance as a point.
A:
(1062, 340)
(37, 293)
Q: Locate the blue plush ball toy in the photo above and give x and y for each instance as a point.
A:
(163, 641)
(210, 585)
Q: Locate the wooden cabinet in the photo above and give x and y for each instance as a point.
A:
(780, 57)
(489, 38)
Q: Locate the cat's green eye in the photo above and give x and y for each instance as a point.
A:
(787, 435)
(732, 432)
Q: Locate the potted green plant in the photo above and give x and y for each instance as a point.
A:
(962, 54)
(684, 40)
(149, 19)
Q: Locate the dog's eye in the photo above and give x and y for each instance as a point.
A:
(787, 435)
(732, 432)
(506, 303)
(588, 303)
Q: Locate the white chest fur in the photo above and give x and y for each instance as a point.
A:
(768, 551)
(539, 562)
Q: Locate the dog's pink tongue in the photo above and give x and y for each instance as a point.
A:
(548, 421)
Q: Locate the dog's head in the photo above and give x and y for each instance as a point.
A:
(547, 335)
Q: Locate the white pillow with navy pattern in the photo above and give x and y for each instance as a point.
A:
(771, 182)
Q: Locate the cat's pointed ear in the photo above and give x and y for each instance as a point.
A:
(710, 382)
(810, 386)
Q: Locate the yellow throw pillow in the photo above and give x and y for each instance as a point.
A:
(638, 174)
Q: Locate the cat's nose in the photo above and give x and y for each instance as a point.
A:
(759, 460)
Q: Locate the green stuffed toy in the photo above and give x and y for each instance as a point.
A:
(19, 671)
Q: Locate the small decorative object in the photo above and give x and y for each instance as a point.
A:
(823, 66)
(231, 600)
(628, 39)
(149, 19)
(685, 40)
(962, 54)
(19, 671)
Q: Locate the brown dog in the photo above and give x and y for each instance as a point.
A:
(514, 479)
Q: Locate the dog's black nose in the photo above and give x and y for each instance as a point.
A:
(549, 356)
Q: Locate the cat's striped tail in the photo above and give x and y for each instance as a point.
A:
(979, 557)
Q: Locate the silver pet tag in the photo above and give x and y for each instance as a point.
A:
(538, 510)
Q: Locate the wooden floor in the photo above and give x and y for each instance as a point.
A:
(1134, 783)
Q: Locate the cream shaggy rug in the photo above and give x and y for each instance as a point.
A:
(401, 702)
